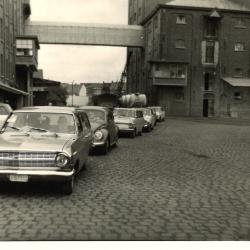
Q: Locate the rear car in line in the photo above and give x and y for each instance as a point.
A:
(160, 113)
(45, 144)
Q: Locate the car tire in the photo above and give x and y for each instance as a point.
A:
(68, 186)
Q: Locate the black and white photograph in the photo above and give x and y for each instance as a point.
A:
(125, 121)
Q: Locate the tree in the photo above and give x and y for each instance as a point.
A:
(57, 96)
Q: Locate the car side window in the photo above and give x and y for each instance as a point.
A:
(79, 123)
(110, 117)
(3, 111)
(85, 123)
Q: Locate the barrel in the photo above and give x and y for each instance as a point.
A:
(133, 100)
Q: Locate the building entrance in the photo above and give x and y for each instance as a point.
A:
(208, 106)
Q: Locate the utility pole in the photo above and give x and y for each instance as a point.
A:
(72, 86)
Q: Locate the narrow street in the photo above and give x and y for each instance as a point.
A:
(186, 180)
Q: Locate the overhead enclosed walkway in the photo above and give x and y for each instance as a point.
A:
(86, 34)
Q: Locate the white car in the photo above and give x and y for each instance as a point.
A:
(160, 113)
(129, 120)
(5, 111)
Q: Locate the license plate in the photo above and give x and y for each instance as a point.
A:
(19, 178)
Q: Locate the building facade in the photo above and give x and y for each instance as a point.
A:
(196, 60)
(18, 53)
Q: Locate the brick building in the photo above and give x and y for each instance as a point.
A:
(196, 59)
(18, 53)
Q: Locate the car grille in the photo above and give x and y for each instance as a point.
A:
(21, 159)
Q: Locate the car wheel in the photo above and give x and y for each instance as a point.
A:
(105, 148)
(68, 186)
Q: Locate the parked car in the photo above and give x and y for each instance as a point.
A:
(160, 113)
(5, 111)
(103, 126)
(154, 114)
(45, 143)
(150, 119)
(129, 121)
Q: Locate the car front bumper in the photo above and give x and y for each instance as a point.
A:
(98, 144)
(37, 175)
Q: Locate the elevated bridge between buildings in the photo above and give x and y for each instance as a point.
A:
(87, 34)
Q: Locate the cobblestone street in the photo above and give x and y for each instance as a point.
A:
(187, 180)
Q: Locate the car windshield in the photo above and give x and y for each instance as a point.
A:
(147, 112)
(40, 122)
(157, 109)
(124, 112)
(96, 116)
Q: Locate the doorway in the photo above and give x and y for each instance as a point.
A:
(208, 106)
(205, 108)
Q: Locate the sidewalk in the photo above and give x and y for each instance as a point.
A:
(213, 120)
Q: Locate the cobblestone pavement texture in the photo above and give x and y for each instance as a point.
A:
(186, 180)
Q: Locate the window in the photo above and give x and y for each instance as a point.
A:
(208, 82)
(24, 47)
(239, 23)
(139, 12)
(156, 22)
(211, 27)
(79, 123)
(180, 44)
(210, 46)
(238, 72)
(237, 96)
(177, 71)
(3, 111)
(181, 19)
(239, 47)
(179, 96)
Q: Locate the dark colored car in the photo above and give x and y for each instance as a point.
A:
(103, 126)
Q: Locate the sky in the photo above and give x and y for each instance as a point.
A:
(81, 64)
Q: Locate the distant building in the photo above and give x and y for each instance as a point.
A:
(77, 95)
(41, 89)
(18, 53)
(196, 59)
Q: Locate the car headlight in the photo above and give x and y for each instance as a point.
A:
(62, 160)
(98, 135)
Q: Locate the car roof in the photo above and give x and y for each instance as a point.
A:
(94, 108)
(134, 109)
(6, 106)
(48, 109)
